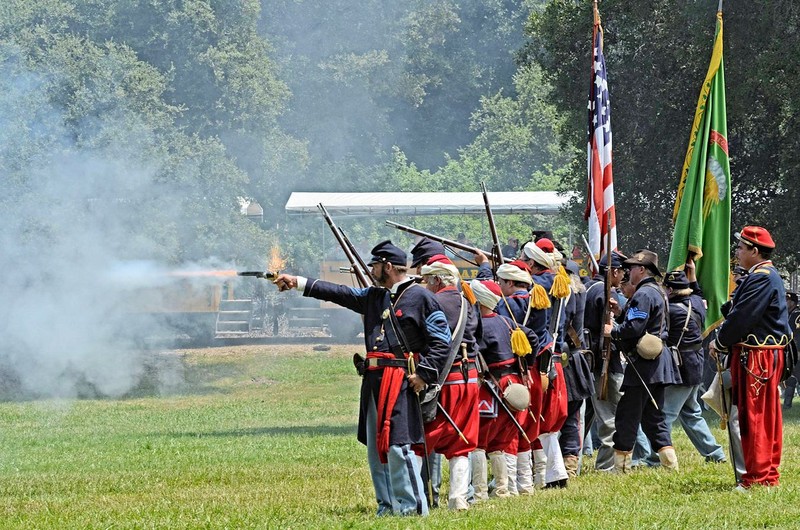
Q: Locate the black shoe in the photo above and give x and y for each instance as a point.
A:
(556, 484)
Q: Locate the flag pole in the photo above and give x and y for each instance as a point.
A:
(718, 9)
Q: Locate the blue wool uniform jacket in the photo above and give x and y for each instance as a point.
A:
(539, 319)
(495, 341)
(593, 322)
(646, 312)
(450, 299)
(691, 350)
(425, 327)
(794, 324)
(573, 316)
(758, 314)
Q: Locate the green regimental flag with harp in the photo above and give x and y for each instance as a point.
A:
(702, 214)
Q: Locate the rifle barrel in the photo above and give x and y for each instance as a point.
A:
(605, 344)
(496, 250)
(361, 276)
(591, 256)
(265, 275)
(444, 241)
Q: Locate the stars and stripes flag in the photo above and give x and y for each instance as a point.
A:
(600, 194)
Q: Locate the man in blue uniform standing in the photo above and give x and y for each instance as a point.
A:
(604, 410)
(403, 322)
(794, 322)
(687, 316)
(645, 379)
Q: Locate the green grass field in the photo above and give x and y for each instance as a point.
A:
(264, 437)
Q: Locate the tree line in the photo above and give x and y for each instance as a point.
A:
(166, 114)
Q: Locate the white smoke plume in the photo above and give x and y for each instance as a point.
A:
(68, 322)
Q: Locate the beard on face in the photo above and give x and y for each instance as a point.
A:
(382, 277)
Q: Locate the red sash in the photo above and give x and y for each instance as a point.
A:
(391, 382)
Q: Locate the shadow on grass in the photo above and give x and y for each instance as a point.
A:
(304, 430)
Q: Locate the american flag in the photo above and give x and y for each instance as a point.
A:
(600, 195)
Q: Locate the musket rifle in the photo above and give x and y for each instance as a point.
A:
(493, 386)
(358, 267)
(446, 242)
(497, 255)
(595, 266)
(359, 261)
(605, 344)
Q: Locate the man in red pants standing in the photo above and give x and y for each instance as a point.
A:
(755, 331)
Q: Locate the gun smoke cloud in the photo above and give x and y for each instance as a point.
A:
(68, 222)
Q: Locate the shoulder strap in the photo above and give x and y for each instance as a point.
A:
(686, 322)
(592, 286)
(458, 334)
(401, 347)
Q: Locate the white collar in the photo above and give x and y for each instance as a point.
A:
(396, 286)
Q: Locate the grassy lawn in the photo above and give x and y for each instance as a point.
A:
(264, 437)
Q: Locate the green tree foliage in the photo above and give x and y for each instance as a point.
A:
(85, 113)
(657, 53)
(518, 146)
(367, 75)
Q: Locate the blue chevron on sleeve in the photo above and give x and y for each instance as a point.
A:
(634, 313)
(359, 291)
(436, 323)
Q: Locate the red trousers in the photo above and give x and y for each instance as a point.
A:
(500, 433)
(554, 403)
(460, 400)
(755, 393)
(532, 422)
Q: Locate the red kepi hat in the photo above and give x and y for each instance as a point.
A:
(756, 235)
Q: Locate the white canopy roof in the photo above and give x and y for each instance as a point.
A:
(424, 203)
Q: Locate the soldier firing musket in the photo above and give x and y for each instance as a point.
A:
(390, 420)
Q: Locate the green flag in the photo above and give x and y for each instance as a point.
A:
(702, 214)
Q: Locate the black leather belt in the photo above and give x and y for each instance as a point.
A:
(377, 362)
(457, 367)
(504, 370)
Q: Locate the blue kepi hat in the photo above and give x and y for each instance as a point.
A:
(386, 252)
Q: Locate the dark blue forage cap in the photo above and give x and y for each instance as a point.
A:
(423, 250)
(676, 280)
(616, 260)
(573, 268)
(386, 252)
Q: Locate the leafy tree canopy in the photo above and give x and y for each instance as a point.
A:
(657, 53)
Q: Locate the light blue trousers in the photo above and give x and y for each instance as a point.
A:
(398, 484)
(680, 402)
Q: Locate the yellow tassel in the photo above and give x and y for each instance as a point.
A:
(539, 298)
(519, 343)
(468, 294)
(560, 288)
